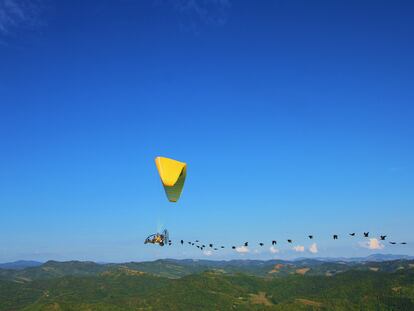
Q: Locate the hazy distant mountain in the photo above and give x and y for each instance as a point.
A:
(175, 269)
(86, 266)
(20, 264)
(373, 257)
(387, 257)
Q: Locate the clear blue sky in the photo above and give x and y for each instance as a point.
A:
(294, 117)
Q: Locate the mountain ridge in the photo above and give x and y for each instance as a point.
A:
(22, 264)
(175, 269)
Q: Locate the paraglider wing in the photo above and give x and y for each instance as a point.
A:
(172, 174)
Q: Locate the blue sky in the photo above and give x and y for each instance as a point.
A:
(295, 118)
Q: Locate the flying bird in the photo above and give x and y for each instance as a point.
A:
(261, 244)
(310, 237)
(289, 241)
(215, 249)
(211, 245)
(196, 241)
(366, 234)
(274, 242)
(246, 244)
(198, 246)
(233, 247)
(182, 242)
(222, 247)
(189, 243)
(352, 234)
(382, 237)
(393, 243)
(335, 237)
(403, 243)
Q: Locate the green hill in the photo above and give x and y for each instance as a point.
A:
(210, 285)
(126, 290)
(179, 268)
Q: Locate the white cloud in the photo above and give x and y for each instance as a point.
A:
(207, 253)
(242, 249)
(299, 248)
(209, 12)
(313, 248)
(18, 13)
(194, 14)
(373, 243)
(273, 250)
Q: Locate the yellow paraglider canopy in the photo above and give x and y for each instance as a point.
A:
(172, 174)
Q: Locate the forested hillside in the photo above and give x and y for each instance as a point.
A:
(89, 286)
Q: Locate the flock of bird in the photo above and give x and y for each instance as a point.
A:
(212, 246)
(170, 169)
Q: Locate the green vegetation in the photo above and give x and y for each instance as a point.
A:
(89, 286)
